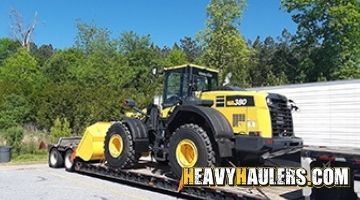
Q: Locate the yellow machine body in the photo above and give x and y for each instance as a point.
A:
(253, 118)
(91, 146)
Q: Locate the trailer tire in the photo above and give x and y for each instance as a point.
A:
(68, 163)
(55, 159)
(119, 147)
(194, 137)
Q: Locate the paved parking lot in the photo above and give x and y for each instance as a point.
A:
(38, 181)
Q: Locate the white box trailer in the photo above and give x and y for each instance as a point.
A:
(329, 112)
(328, 120)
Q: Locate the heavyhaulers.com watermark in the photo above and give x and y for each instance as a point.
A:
(266, 176)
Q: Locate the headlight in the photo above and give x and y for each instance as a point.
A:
(251, 123)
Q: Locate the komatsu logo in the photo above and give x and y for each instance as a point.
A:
(240, 102)
(266, 176)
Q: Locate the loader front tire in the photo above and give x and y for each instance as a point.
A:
(190, 146)
(119, 147)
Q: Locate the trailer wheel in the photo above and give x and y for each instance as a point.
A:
(190, 146)
(55, 160)
(68, 163)
(119, 147)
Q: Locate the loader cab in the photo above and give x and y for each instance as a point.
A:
(182, 81)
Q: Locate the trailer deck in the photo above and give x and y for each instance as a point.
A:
(351, 155)
(152, 175)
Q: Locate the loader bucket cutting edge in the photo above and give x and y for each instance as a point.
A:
(91, 146)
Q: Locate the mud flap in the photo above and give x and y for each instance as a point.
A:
(357, 188)
(305, 163)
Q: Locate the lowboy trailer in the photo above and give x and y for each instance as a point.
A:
(150, 174)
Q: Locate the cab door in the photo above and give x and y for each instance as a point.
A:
(175, 87)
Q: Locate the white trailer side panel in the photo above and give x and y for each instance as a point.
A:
(329, 113)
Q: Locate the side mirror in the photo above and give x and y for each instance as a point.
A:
(156, 71)
(130, 103)
(292, 106)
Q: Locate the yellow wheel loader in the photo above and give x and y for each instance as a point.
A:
(196, 123)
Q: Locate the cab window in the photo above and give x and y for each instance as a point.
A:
(205, 83)
(201, 83)
(173, 86)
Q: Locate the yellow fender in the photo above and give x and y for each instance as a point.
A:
(91, 146)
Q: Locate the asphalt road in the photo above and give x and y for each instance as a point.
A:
(38, 181)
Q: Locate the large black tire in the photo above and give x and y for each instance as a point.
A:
(127, 157)
(68, 163)
(193, 132)
(55, 159)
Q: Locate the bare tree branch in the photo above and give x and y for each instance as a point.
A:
(22, 32)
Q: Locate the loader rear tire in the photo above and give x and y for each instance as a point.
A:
(56, 159)
(119, 147)
(190, 146)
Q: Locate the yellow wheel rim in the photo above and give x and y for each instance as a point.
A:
(115, 145)
(186, 153)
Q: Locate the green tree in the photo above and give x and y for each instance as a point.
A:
(7, 48)
(260, 66)
(286, 60)
(91, 38)
(102, 69)
(141, 55)
(224, 47)
(130, 42)
(139, 50)
(20, 78)
(329, 36)
(21, 70)
(190, 48)
(43, 53)
(14, 136)
(174, 57)
(86, 86)
(61, 128)
(275, 62)
(59, 68)
(62, 89)
(14, 109)
(57, 100)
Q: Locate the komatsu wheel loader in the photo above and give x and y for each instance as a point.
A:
(198, 124)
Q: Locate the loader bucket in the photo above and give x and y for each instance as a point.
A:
(91, 146)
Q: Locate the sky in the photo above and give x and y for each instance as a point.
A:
(167, 21)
